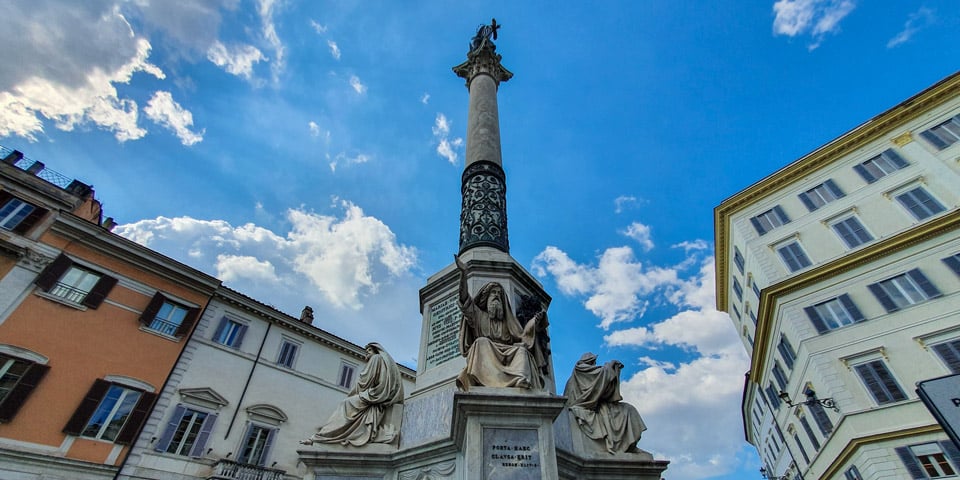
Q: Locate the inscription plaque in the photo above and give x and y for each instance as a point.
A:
(511, 454)
(444, 328)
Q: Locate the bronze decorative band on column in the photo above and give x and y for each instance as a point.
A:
(483, 215)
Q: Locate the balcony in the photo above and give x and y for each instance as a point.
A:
(229, 470)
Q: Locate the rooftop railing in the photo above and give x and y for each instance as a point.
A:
(37, 168)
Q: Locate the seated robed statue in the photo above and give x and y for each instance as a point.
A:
(593, 396)
(359, 419)
(500, 351)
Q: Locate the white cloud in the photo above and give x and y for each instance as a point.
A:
(320, 29)
(334, 49)
(613, 287)
(680, 401)
(266, 9)
(237, 60)
(168, 113)
(446, 147)
(345, 259)
(815, 18)
(917, 21)
(689, 246)
(314, 129)
(622, 202)
(344, 159)
(640, 233)
(356, 85)
(425, 99)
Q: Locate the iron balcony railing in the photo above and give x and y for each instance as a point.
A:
(38, 169)
(230, 470)
(163, 326)
(68, 292)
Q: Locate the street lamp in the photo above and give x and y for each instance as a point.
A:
(763, 473)
(811, 400)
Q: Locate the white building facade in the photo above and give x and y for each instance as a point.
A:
(251, 384)
(841, 272)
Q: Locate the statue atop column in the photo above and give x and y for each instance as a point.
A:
(500, 351)
(486, 34)
(361, 417)
(593, 396)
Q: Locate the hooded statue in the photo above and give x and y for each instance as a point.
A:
(500, 351)
(593, 395)
(359, 419)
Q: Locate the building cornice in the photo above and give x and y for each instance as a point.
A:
(875, 128)
(833, 471)
(770, 295)
(81, 231)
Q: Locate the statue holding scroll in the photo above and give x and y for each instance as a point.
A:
(500, 351)
(360, 418)
(593, 396)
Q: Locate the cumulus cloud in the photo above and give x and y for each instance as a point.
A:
(344, 258)
(446, 147)
(358, 87)
(917, 21)
(684, 398)
(163, 110)
(815, 18)
(78, 54)
(334, 49)
(640, 233)
(238, 60)
(613, 288)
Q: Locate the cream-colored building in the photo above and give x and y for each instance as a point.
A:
(841, 273)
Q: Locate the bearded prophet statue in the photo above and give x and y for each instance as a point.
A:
(500, 351)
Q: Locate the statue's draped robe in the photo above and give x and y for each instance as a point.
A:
(593, 395)
(358, 420)
(500, 353)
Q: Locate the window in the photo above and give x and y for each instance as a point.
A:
(949, 352)
(821, 195)
(779, 376)
(17, 215)
(920, 204)
(187, 432)
(813, 438)
(18, 378)
(786, 351)
(110, 412)
(880, 382)
(803, 451)
(793, 256)
(752, 315)
(345, 379)
(736, 311)
(756, 289)
(930, 460)
(737, 289)
(75, 284)
(820, 416)
(167, 317)
(852, 232)
(256, 445)
(229, 333)
(288, 353)
(880, 166)
(772, 396)
(904, 290)
(852, 473)
(953, 262)
(834, 313)
(738, 259)
(943, 135)
(769, 220)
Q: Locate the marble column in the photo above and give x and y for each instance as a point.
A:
(483, 215)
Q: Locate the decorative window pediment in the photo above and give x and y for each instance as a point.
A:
(267, 414)
(203, 397)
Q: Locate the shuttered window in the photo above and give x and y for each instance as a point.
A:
(769, 220)
(834, 313)
(794, 256)
(168, 317)
(187, 432)
(880, 382)
(944, 134)
(904, 290)
(110, 412)
(880, 166)
(73, 283)
(949, 352)
(852, 232)
(18, 215)
(919, 203)
(18, 378)
(821, 195)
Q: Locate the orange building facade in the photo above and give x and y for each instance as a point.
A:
(91, 325)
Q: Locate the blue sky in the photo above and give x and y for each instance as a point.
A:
(309, 153)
